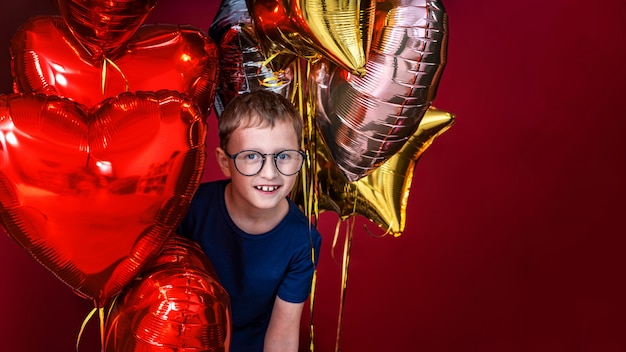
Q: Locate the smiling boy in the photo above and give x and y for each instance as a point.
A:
(257, 239)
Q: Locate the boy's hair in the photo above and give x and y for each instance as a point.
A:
(260, 108)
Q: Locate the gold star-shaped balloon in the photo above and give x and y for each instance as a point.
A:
(338, 30)
(382, 195)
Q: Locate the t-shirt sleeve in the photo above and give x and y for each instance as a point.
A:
(296, 284)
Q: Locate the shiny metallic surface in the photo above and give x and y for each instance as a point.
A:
(366, 120)
(176, 304)
(243, 67)
(93, 193)
(47, 59)
(338, 30)
(382, 195)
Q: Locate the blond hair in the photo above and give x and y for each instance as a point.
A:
(261, 108)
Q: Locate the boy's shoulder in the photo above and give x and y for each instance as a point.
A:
(212, 186)
(209, 193)
(295, 212)
(297, 217)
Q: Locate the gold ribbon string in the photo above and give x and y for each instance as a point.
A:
(387, 232)
(106, 62)
(309, 180)
(103, 74)
(100, 311)
(345, 265)
(274, 80)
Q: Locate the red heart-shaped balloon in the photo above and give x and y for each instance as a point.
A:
(92, 194)
(46, 58)
(176, 304)
(104, 25)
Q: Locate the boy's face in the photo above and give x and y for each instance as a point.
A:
(267, 189)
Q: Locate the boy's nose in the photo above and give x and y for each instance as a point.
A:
(268, 170)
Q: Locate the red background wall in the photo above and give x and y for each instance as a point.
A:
(515, 232)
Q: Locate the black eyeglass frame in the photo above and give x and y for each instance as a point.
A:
(264, 157)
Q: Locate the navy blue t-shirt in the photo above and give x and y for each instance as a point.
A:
(252, 268)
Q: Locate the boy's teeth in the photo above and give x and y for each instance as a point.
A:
(267, 188)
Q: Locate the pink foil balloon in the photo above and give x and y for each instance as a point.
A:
(366, 120)
(93, 193)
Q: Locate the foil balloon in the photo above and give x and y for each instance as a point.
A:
(366, 120)
(93, 193)
(46, 58)
(381, 196)
(337, 30)
(103, 26)
(176, 304)
(243, 67)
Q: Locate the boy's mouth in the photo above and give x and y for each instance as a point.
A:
(267, 188)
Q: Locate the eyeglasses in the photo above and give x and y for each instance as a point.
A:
(250, 162)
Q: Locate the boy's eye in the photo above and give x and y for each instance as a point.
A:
(250, 156)
(283, 156)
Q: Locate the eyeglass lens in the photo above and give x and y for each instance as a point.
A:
(250, 162)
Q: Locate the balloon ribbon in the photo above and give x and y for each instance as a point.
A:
(104, 75)
(100, 311)
(345, 264)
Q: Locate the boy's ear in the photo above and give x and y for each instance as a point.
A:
(223, 161)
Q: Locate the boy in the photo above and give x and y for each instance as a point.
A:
(257, 239)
